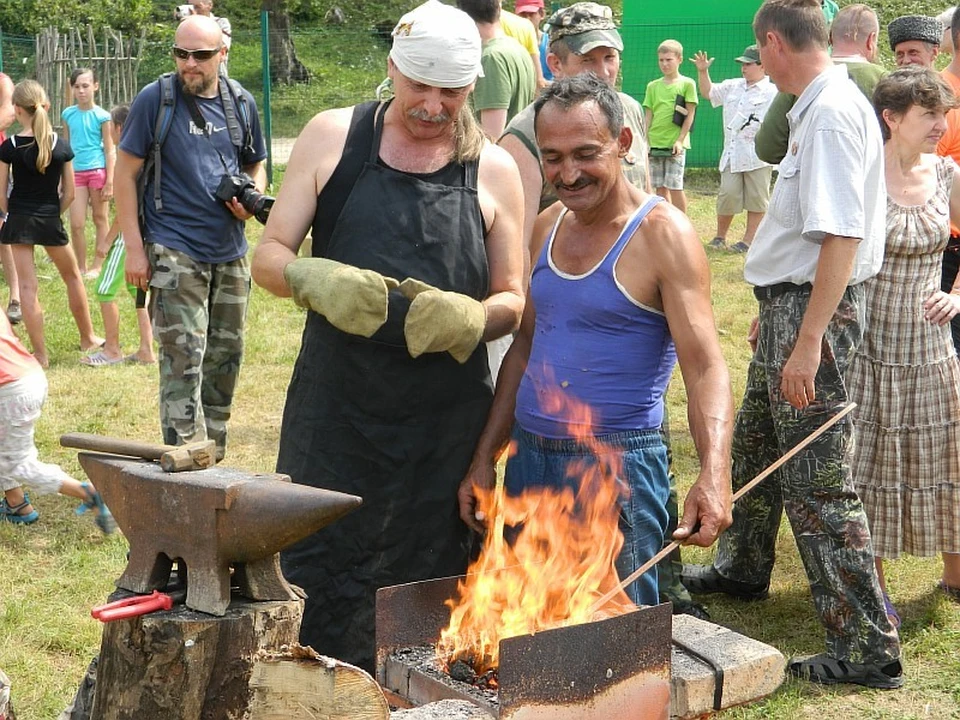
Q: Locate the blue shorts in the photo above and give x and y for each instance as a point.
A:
(540, 462)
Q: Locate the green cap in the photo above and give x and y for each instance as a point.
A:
(751, 56)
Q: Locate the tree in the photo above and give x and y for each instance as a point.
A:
(285, 67)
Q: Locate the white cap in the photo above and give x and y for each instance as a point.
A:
(438, 45)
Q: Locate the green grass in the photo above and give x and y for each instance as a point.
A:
(58, 568)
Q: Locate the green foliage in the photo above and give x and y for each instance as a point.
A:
(27, 17)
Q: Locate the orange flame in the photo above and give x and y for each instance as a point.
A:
(556, 561)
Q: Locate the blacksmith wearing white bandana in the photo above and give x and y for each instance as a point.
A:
(417, 261)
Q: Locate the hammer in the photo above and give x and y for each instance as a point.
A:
(173, 458)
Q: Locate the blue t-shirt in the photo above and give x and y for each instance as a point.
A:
(192, 220)
(86, 136)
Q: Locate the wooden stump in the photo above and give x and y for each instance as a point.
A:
(186, 665)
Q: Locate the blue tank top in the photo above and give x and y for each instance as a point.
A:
(596, 344)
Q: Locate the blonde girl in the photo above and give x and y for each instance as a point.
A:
(40, 161)
(86, 126)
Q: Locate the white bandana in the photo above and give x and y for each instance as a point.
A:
(437, 45)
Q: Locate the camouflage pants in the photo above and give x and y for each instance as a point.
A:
(815, 488)
(198, 312)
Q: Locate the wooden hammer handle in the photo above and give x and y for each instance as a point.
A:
(114, 446)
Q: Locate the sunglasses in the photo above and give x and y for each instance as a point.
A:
(199, 55)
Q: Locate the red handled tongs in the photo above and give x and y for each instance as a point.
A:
(137, 605)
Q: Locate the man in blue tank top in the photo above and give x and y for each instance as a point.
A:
(620, 290)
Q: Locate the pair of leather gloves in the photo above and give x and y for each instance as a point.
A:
(354, 300)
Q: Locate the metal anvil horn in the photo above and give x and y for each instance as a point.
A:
(211, 520)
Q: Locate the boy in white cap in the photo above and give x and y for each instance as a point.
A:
(417, 260)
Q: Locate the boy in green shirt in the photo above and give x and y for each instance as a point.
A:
(669, 106)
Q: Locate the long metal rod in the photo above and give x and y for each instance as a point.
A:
(844, 411)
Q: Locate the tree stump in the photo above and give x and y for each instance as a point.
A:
(187, 665)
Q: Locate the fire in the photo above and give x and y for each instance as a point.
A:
(554, 562)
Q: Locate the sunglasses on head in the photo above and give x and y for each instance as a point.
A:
(198, 55)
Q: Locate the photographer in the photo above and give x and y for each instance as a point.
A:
(192, 249)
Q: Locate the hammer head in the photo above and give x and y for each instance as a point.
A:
(192, 456)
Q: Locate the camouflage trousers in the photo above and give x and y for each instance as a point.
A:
(198, 312)
(815, 488)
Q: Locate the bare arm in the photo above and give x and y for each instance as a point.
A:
(647, 119)
(496, 433)
(315, 156)
(684, 284)
(532, 181)
(68, 188)
(685, 128)
(136, 268)
(703, 64)
(110, 158)
(4, 186)
(834, 268)
(501, 198)
(493, 121)
(940, 308)
(7, 115)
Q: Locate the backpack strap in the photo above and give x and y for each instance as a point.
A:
(234, 103)
(168, 102)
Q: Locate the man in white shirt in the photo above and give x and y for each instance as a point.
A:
(821, 238)
(744, 178)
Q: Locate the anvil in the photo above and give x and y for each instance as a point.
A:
(210, 521)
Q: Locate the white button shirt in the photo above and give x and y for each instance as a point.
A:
(830, 182)
(743, 109)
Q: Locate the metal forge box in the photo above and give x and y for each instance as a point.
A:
(613, 669)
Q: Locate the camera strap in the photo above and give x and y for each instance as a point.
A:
(201, 124)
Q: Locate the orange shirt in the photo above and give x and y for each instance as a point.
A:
(949, 145)
(15, 361)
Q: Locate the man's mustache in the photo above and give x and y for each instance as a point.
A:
(427, 117)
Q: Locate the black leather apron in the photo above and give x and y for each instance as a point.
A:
(364, 417)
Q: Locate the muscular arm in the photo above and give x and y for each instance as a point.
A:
(137, 271)
(501, 189)
(683, 276)
(834, 268)
(496, 433)
(532, 181)
(315, 156)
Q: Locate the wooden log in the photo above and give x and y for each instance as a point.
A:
(298, 684)
(187, 665)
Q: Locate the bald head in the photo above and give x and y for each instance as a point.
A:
(198, 31)
(854, 31)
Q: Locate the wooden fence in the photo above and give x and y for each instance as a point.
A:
(114, 58)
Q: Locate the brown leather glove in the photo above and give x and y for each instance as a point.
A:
(354, 300)
(441, 321)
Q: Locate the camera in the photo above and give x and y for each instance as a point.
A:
(182, 11)
(245, 191)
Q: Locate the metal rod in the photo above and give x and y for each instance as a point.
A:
(846, 409)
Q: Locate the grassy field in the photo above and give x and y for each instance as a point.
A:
(58, 568)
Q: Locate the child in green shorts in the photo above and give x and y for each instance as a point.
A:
(109, 283)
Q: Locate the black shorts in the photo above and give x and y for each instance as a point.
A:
(21, 229)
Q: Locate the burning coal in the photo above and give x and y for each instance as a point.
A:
(547, 557)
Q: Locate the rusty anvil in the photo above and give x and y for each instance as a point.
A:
(210, 520)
